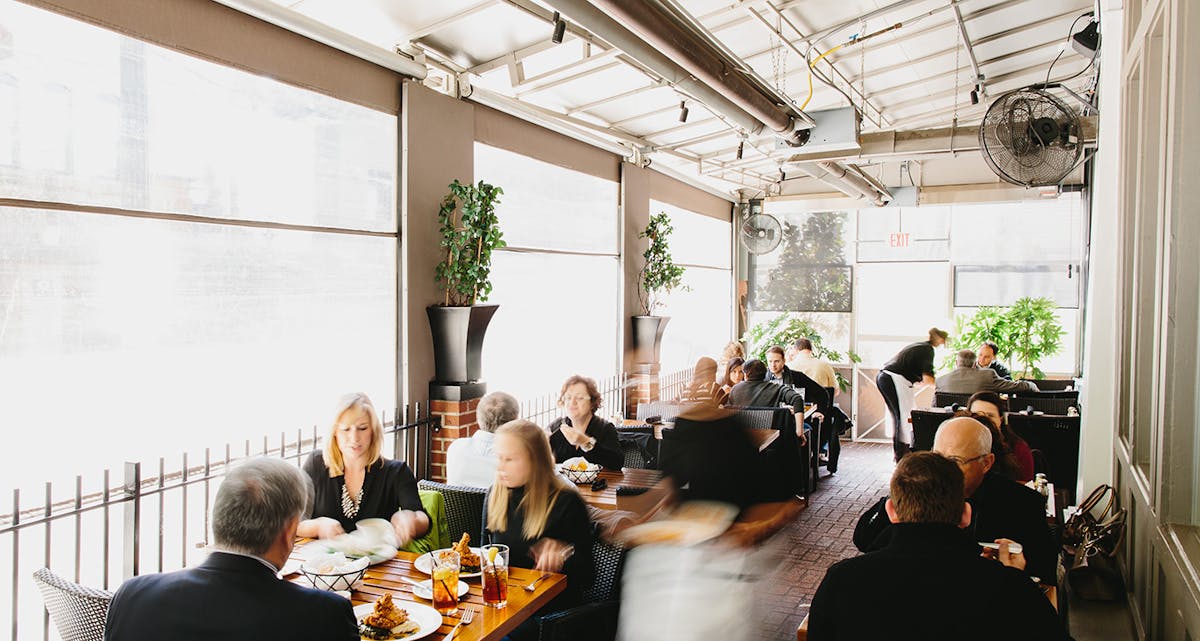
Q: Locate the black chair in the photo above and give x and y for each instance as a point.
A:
(1069, 394)
(665, 410)
(949, 399)
(1054, 384)
(464, 509)
(596, 620)
(1043, 404)
(639, 446)
(78, 611)
(1058, 439)
(788, 463)
(925, 424)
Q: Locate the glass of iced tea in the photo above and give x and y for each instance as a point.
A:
(495, 575)
(445, 581)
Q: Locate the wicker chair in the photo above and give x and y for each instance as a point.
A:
(950, 399)
(607, 560)
(665, 410)
(596, 620)
(78, 611)
(464, 509)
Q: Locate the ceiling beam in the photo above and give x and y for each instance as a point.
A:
(553, 78)
(434, 27)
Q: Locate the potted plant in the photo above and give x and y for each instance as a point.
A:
(659, 276)
(470, 231)
(783, 330)
(1028, 332)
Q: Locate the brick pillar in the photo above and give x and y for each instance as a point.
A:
(455, 404)
(458, 421)
(643, 386)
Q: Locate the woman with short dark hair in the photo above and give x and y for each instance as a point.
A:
(994, 408)
(581, 432)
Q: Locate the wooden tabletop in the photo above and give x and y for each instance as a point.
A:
(607, 498)
(490, 624)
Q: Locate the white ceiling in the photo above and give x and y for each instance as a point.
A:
(915, 76)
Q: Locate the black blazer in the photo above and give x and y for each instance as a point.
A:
(929, 583)
(389, 486)
(1000, 508)
(228, 597)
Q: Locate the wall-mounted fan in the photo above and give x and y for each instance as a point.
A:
(1029, 137)
(761, 233)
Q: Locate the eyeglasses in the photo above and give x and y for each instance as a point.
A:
(568, 399)
(963, 462)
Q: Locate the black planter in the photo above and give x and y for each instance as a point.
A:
(647, 337)
(458, 341)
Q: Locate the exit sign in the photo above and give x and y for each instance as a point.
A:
(900, 239)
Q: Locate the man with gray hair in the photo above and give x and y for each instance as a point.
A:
(471, 460)
(1000, 508)
(965, 378)
(236, 593)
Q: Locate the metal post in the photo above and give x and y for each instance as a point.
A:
(16, 556)
(132, 490)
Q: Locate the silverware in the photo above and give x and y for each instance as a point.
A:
(467, 615)
(412, 582)
(533, 584)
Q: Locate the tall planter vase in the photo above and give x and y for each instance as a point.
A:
(458, 341)
(647, 338)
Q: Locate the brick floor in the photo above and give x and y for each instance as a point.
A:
(822, 535)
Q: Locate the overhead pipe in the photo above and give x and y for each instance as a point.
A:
(661, 31)
(603, 26)
(301, 24)
(840, 177)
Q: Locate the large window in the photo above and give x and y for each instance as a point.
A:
(126, 333)
(702, 314)
(557, 282)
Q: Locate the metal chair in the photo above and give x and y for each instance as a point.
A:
(464, 509)
(597, 618)
(1058, 439)
(925, 424)
(78, 611)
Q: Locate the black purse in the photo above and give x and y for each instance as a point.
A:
(1094, 574)
(1076, 528)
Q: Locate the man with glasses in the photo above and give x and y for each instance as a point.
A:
(1001, 508)
(929, 581)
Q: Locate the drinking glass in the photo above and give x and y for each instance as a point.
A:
(445, 581)
(495, 575)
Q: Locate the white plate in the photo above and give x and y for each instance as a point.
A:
(425, 589)
(425, 616)
(424, 565)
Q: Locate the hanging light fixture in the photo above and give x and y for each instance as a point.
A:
(683, 111)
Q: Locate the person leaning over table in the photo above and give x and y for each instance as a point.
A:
(235, 594)
(597, 439)
(538, 514)
(930, 581)
(895, 381)
(756, 391)
(352, 481)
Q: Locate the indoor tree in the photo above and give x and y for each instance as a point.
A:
(783, 330)
(660, 275)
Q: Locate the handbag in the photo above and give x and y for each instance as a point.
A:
(1077, 527)
(1094, 574)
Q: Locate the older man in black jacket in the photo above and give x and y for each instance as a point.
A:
(929, 581)
(1000, 508)
(236, 595)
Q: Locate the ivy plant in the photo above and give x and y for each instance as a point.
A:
(660, 275)
(470, 231)
(783, 330)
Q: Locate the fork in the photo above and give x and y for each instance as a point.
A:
(533, 584)
(467, 616)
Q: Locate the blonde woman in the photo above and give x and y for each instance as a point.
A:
(536, 513)
(352, 481)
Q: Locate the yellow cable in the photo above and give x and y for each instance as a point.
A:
(813, 66)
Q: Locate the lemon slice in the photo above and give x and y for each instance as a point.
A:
(492, 555)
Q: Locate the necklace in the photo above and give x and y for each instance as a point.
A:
(350, 504)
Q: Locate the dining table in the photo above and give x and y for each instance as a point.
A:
(488, 624)
(609, 499)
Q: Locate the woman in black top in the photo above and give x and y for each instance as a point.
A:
(352, 481)
(597, 440)
(895, 381)
(536, 513)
